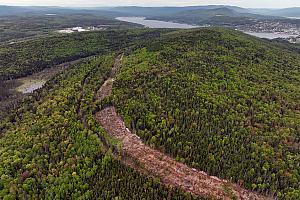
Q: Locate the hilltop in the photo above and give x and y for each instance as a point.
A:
(219, 101)
(213, 102)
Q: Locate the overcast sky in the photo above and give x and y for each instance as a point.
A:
(89, 3)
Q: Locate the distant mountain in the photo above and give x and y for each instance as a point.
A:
(157, 11)
(235, 8)
(13, 10)
(209, 16)
(21, 10)
(111, 11)
(286, 12)
(146, 11)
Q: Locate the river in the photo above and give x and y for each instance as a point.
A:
(270, 35)
(162, 24)
(155, 23)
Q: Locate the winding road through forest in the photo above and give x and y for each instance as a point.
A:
(151, 162)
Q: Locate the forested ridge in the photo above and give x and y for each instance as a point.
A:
(220, 101)
(25, 58)
(47, 152)
(215, 99)
(33, 56)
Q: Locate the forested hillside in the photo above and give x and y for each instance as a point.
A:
(217, 100)
(31, 56)
(220, 101)
(50, 151)
(24, 58)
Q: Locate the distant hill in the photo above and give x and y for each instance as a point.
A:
(208, 16)
(13, 10)
(286, 12)
(157, 11)
(143, 11)
(21, 10)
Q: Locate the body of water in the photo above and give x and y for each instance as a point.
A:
(29, 86)
(154, 23)
(163, 24)
(270, 35)
(294, 17)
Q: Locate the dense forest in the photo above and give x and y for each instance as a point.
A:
(220, 101)
(49, 151)
(31, 56)
(25, 58)
(282, 43)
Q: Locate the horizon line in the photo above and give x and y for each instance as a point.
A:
(144, 6)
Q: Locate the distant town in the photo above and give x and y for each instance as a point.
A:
(81, 29)
(282, 29)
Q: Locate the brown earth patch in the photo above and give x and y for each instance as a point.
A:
(154, 163)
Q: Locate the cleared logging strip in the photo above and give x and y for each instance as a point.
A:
(156, 164)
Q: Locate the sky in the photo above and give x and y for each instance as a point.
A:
(107, 3)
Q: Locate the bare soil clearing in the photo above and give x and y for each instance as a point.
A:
(156, 164)
(106, 89)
